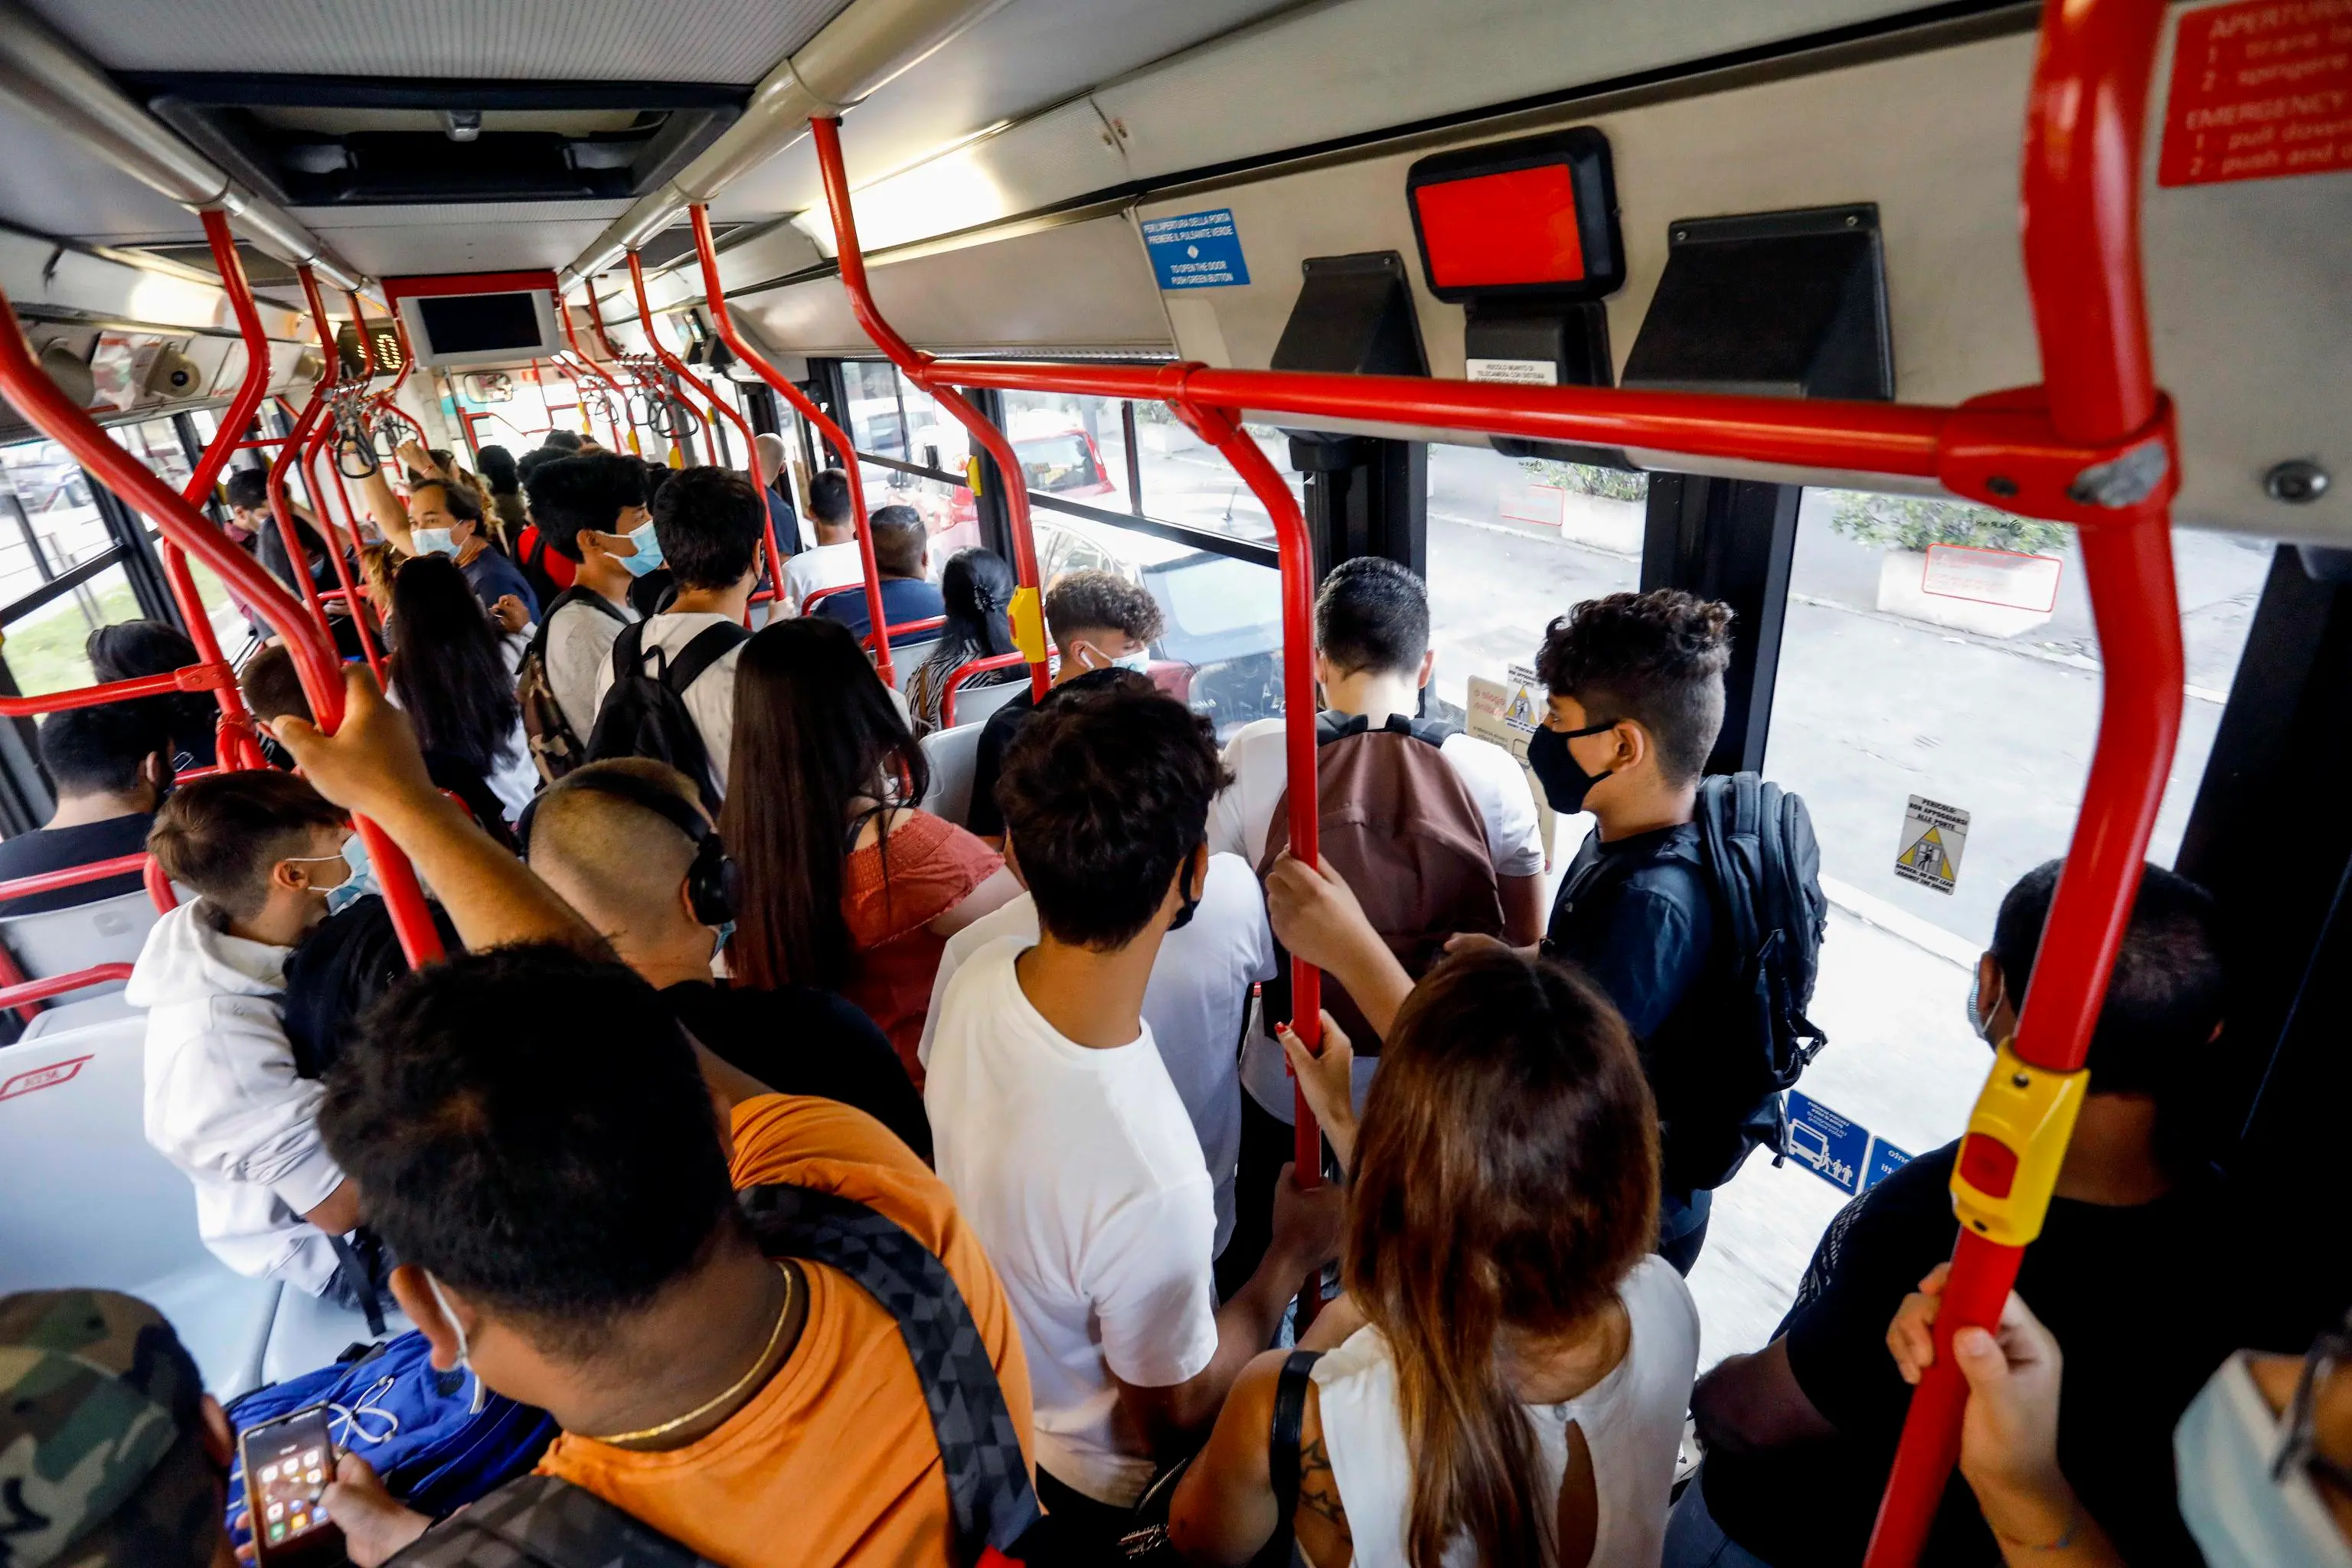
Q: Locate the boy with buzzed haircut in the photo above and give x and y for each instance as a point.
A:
(586, 508)
(1067, 1146)
(1637, 701)
(1101, 624)
(224, 1102)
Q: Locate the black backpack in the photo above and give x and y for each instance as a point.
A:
(644, 715)
(1756, 840)
(539, 1521)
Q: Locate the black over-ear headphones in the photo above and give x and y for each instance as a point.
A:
(711, 881)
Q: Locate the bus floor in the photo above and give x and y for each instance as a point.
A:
(1902, 1062)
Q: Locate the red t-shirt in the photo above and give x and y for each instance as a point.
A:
(934, 866)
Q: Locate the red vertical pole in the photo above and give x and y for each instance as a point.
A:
(2081, 186)
(298, 559)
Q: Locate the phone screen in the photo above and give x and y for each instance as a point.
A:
(287, 1464)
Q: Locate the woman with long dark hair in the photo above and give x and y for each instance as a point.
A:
(454, 673)
(129, 650)
(1514, 1395)
(977, 586)
(845, 885)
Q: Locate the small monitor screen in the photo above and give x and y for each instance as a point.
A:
(1518, 227)
(478, 323)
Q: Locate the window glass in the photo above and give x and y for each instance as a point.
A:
(45, 646)
(156, 443)
(1185, 481)
(1513, 543)
(48, 519)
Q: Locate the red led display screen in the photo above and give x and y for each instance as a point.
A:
(1512, 228)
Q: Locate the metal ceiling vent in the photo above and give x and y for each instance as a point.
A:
(319, 142)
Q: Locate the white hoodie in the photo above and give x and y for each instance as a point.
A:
(222, 1100)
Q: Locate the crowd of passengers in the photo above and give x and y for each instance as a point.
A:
(1037, 1043)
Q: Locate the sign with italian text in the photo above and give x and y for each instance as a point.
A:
(2260, 89)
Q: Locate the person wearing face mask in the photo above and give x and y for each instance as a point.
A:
(591, 512)
(1800, 1436)
(1099, 622)
(2262, 1457)
(626, 843)
(224, 1102)
(445, 517)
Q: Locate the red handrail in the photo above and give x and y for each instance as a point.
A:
(321, 428)
(927, 624)
(131, 864)
(194, 678)
(36, 399)
(1028, 609)
(31, 990)
(723, 321)
(964, 672)
(629, 439)
(298, 559)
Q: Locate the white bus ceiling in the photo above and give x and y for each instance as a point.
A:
(1003, 173)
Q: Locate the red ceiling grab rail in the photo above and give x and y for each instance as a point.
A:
(723, 320)
(614, 418)
(33, 394)
(2093, 446)
(676, 366)
(323, 426)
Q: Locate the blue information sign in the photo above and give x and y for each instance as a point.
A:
(1196, 250)
(1832, 1148)
(1886, 1159)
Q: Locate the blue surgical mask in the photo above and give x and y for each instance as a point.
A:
(434, 542)
(725, 932)
(356, 886)
(2223, 1450)
(648, 553)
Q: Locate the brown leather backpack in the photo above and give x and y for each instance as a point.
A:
(1400, 824)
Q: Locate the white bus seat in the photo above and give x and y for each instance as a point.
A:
(59, 942)
(307, 1333)
(950, 753)
(100, 1006)
(905, 656)
(975, 703)
(92, 1204)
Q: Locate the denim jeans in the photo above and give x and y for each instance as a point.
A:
(1694, 1540)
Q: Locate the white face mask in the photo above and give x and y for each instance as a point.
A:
(2222, 1451)
(1093, 657)
(434, 542)
(465, 1352)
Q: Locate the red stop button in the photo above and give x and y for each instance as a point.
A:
(1988, 1164)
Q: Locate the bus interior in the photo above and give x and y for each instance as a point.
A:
(2034, 533)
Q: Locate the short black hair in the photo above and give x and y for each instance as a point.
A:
(1656, 658)
(899, 540)
(496, 467)
(1106, 792)
(97, 751)
(587, 491)
(1084, 601)
(561, 441)
(249, 488)
(272, 686)
(709, 522)
(1371, 615)
(529, 1124)
(538, 458)
(658, 478)
(2166, 996)
(829, 497)
(128, 649)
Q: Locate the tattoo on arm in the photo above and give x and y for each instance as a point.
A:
(1319, 1489)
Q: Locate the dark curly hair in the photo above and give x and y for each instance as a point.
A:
(1083, 601)
(1656, 658)
(1106, 792)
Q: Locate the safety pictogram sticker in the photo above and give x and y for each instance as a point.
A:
(1934, 835)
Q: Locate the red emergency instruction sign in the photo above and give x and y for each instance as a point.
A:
(2260, 89)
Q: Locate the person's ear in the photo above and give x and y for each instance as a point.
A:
(424, 1309)
(1199, 871)
(1633, 746)
(220, 1442)
(156, 769)
(1012, 863)
(685, 896)
(290, 875)
(1428, 668)
(1322, 672)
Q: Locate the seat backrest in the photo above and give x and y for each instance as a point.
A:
(952, 754)
(975, 703)
(58, 941)
(907, 657)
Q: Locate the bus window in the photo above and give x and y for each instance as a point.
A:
(52, 526)
(1943, 652)
(1514, 542)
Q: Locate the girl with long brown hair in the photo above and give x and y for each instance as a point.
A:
(1514, 1395)
(845, 885)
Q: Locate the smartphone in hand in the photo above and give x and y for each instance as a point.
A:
(289, 1463)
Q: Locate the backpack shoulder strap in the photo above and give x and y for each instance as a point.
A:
(987, 1477)
(542, 1522)
(628, 651)
(1283, 1441)
(710, 646)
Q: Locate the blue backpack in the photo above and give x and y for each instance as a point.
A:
(417, 1426)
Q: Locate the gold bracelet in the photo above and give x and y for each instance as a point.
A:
(740, 1384)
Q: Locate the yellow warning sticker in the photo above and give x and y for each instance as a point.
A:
(1934, 835)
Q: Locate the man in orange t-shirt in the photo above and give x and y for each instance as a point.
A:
(555, 1163)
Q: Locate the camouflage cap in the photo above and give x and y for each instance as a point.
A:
(101, 1436)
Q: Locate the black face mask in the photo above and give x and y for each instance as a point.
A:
(1192, 903)
(1565, 782)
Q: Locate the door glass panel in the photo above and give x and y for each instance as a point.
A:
(44, 649)
(48, 521)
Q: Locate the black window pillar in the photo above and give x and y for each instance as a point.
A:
(140, 566)
(829, 390)
(759, 407)
(1364, 495)
(995, 512)
(26, 798)
(1729, 540)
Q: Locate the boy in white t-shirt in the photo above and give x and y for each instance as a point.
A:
(1058, 1126)
(833, 562)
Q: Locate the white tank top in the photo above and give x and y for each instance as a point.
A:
(1632, 1421)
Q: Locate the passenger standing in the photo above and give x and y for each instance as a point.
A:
(109, 769)
(1801, 1434)
(846, 885)
(591, 512)
(834, 561)
(1101, 624)
(708, 522)
(975, 591)
(503, 483)
(768, 451)
(899, 543)
(453, 674)
(1058, 1128)
(1637, 701)
(447, 516)
(627, 845)
(1516, 1392)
